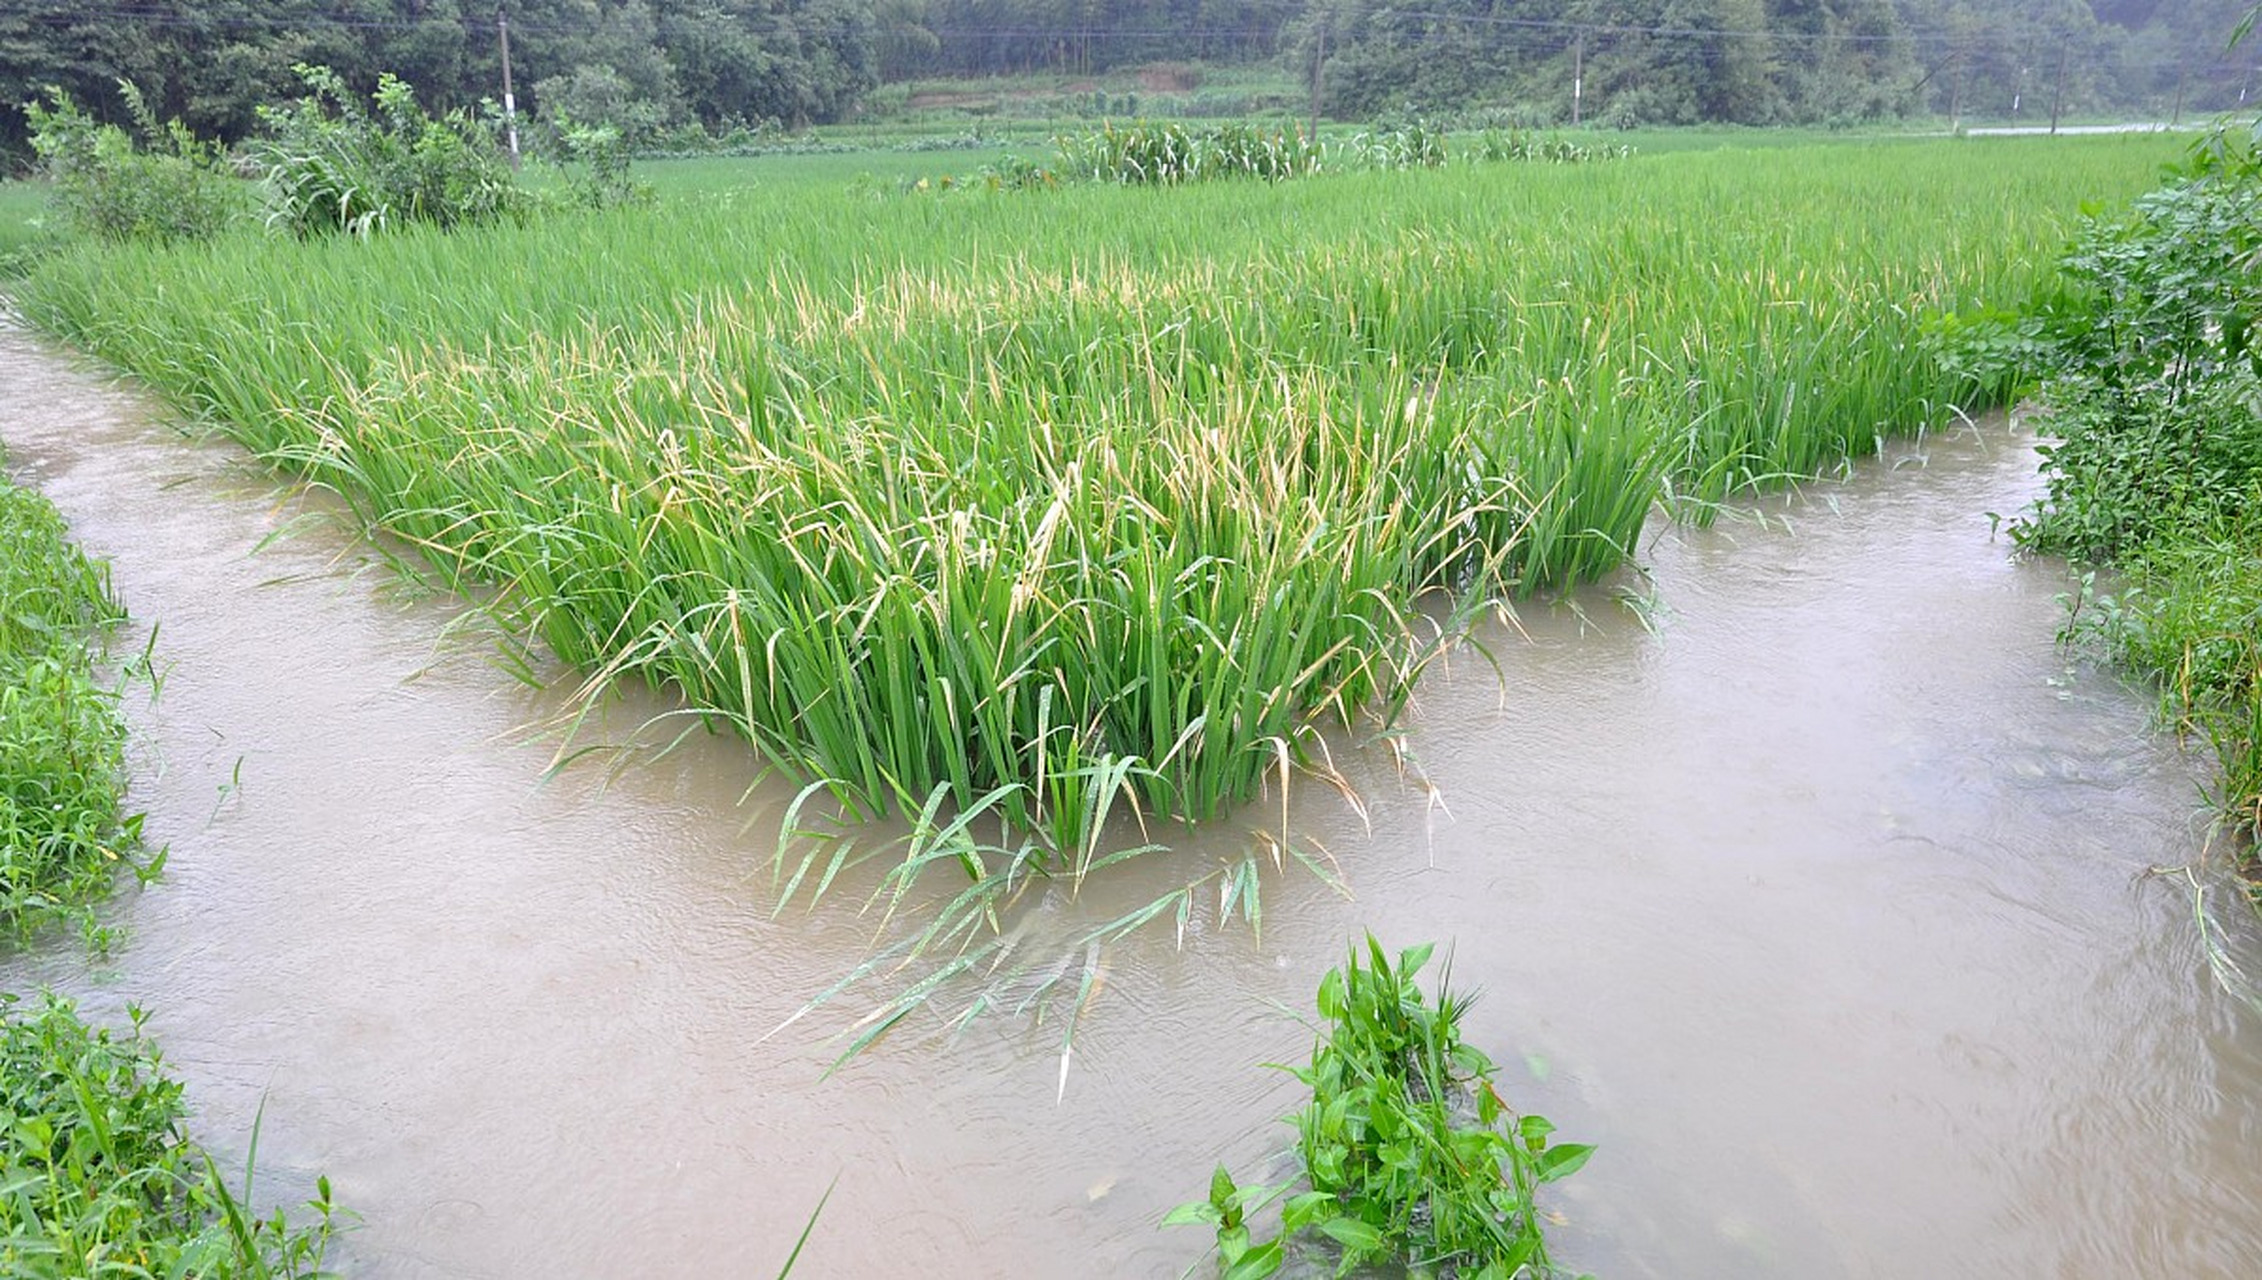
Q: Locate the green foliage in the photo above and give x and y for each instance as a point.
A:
(333, 166)
(2150, 368)
(597, 165)
(98, 1177)
(2186, 610)
(598, 97)
(1167, 154)
(63, 837)
(165, 184)
(1400, 142)
(1408, 1153)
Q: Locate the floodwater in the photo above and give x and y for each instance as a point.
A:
(1803, 875)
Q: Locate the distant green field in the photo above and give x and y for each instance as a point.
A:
(1041, 503)
(23, 206)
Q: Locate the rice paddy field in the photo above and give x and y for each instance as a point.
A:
(1802, 873)
(1051, 504)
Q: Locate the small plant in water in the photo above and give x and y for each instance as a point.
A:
(1408, 1153)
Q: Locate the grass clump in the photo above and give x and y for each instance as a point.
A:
(1407, 1153)
(333, 165)
(98, 1177)
(63, 834)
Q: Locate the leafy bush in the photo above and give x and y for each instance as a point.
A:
(333, 166)
(2150, 368)
(1409, 1154)
(596, 165)
(97, 1176)
(165, 184)
(597, 96)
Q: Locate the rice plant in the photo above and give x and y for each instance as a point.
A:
(1094, 505)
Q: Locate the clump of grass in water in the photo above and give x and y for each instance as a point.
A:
(1408, 1153)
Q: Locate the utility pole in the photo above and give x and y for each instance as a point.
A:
(510, 103)
(2182, 78)
(1319, 55)
(1578, 74)
(1956, 95)
(2058, 93)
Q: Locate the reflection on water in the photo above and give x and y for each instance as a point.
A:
(1812, 889)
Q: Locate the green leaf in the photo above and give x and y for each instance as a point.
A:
(1221, 1189)
(1190, 1214)
(1258, 1262)
(1563, 1161)
(1353, 1234)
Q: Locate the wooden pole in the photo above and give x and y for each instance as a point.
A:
(1319, 56)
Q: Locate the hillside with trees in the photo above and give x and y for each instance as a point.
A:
(648, 64)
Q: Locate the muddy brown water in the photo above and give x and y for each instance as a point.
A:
(1810, 886)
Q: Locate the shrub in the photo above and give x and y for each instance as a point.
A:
(167, 184)
(333, 166)
(2150, 365)
(2151, 378)
(596, 165)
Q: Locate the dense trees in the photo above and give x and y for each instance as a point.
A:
(648, 63)
(212, 62)
(1777, 61)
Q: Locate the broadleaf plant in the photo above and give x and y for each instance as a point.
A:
(1408, 1153)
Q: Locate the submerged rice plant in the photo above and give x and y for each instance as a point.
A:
(1055, 505)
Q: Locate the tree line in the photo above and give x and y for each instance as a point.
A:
(648, 64)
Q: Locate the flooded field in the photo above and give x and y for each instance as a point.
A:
(1810, 884)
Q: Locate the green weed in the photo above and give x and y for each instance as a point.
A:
(63, 835)
(1407, 1153)
(98, 1177)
